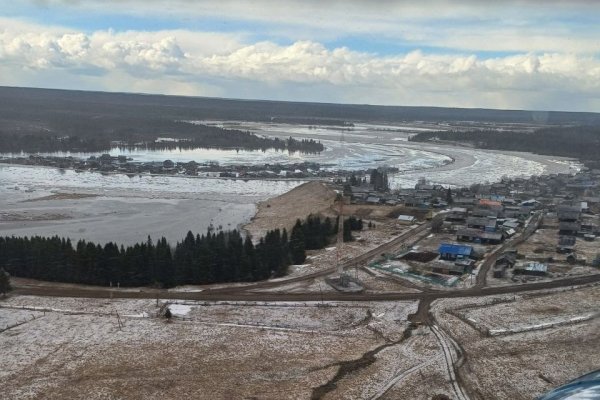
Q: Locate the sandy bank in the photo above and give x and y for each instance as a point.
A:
(283, 211)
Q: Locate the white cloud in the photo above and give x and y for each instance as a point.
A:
(201, 63)
(35, 46)
(311, 62)
(470, 25)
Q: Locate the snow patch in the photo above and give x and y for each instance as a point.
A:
(179, 310)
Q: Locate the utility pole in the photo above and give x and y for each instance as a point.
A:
(321, 291)
(119, 322)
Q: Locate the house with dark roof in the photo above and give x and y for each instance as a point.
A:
(568, 215)
(477, 236)
(456, 214)
(566, 244)
(568, 228)
(477, 222)
(484, 213)
(568, 212)
(505, 261)
(531, 268)
(452, 269)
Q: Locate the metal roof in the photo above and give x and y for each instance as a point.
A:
(510, 231)
(479, 234)
(534, 266)
(511, 224)
(458, 249)
(486, 202)
(479, 221)
(585, 387)
(567, 240)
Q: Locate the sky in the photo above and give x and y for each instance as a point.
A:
(512, 54)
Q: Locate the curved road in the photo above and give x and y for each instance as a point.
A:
(241, 295)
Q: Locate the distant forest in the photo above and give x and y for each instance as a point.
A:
(233, 139)
(38, 120)
(198, 259)
(95, 136)
(41, 120)
(581, 142)
(30, 108)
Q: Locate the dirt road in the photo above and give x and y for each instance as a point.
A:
(534, 223)
(242, 295)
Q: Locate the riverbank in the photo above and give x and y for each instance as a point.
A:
(281, 212)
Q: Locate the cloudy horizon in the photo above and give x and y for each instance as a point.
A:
(519, 55)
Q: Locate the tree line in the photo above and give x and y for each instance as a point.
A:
(215, 137)
(221, 257)
(190, 136)
(567, 141)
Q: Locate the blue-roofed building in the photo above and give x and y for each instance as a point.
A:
(454, 252)
(585, 387)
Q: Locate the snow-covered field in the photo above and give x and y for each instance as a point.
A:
(101, 349)
(536, 312)
(62, 348)
(524, 365)
(10, 318)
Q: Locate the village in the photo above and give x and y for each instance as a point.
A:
(518, 230)
(121, 164)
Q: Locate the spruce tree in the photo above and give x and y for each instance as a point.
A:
(297, 244)
(248, 261)
(347, 234)
(4, 283)
(164, 264)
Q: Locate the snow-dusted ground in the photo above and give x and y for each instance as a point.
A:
(100, 348)
(536, 312)
(527, 364)
(11, 317)
(327, 258)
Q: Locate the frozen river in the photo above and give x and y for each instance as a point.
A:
(360, 147)
(122, 209)
(127, 209)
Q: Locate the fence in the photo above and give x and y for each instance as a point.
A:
(452, 281)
